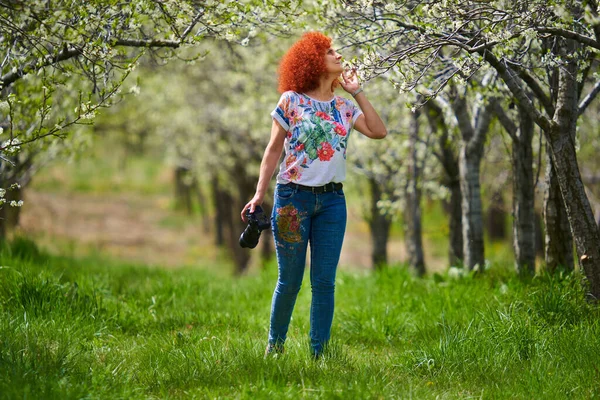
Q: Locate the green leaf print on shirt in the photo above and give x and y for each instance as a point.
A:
(318, 138)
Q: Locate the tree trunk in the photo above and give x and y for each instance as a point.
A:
(412, 215)
(561, 140)
(451, 180)
(9, 215)
(379, 224)
(470, 155)
(455, 252)
(472, 219)
(219, 211)
(558, 238)
(203, 205)
(539, 236)
(3, 227)
(183, 194)
(523, 196)
(496, 217)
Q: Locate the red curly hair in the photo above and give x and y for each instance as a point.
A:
(301, 67)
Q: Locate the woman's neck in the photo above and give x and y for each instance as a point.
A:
(324, 91)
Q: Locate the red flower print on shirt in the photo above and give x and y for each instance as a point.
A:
(325, 152)
(293, 174)
(323, 115)
(300, 147)
(339, 129)
(290, 159)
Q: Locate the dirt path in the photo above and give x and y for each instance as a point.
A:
(145, 230)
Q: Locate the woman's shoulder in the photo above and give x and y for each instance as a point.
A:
(290, 94)
(343, 100)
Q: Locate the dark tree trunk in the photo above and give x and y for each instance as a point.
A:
(539, 235)
(379, 225)
(203, 205)
(558, 237)
(9, 215)
(523, 188)
(451, 179)
(471, 153)
(496, 217)
(561, 140)
(523, 196)
(455, 252)
(3, 227)
(219, 211)
(412, 214)
(14, 179)
(472, 221)
(183, 193)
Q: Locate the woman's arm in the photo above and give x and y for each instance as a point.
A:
(267, 167)
(369, 124)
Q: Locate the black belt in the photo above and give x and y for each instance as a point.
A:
(330, 187)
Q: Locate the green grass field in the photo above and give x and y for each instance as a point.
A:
(97, 329)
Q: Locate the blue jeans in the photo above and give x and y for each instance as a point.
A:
(299, 218)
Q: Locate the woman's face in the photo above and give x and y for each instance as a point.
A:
(333, 61)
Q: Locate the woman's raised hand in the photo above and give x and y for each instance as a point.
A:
(350, 81)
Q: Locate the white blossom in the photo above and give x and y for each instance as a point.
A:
(135, 90)
(11, 146)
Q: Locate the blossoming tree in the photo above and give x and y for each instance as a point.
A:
(432, 43)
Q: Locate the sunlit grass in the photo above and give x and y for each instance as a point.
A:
(95, 328)
(106, 169)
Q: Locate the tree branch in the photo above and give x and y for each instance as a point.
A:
(65, 54)
(62, 55)
(539, 93)
(511, 81)
(483, 126)
(588, 99)
(147, 43)
(506, 122)
(567, 34)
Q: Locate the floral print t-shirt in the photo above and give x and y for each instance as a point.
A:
(317, 138)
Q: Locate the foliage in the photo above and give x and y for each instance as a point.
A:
(92, 328)
(62, 61)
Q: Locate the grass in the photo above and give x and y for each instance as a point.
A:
(96, 328)
(106, 169)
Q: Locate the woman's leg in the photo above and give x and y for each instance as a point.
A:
(291, 226)
(327, 236)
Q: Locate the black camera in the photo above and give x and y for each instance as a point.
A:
(257, 222)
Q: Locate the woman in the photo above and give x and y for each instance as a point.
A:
(312, 125)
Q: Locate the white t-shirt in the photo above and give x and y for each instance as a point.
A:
(317, 138)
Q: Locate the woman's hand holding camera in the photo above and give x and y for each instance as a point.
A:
(251, 206)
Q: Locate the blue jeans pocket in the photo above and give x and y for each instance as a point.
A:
(284, 192)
